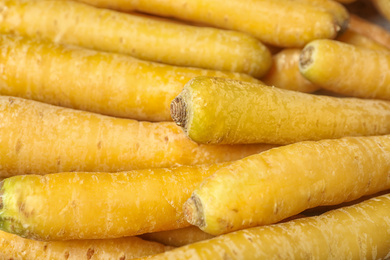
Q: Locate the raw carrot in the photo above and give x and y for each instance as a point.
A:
(215, 110)
(361, 231)
(347, 69)
(266, 188)
(357, 39)
(40, 138)
(18, 248)
(149, 39)
(105, 83)
(383, 6)
(286, 23)
(63, 206)
(178, 237)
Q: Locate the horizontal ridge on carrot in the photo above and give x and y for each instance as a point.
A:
(151, 39)
(282, 182)
(224, 111)
(39, 138)
(105, 83)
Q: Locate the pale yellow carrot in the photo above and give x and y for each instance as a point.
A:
(79, 205)
(266, 188)
(347, 69)
(370, 30)
(18, 248)
(383, 6)
(40, 138)
(286, 23)
(215, 110)
(361, 231)
(105, 83)
(142, 37)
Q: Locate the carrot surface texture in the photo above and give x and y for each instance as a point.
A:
(105, 83)
(347, 69)
(18, 248)
(282, 182)
(101, 205)
(40, 138)
(215, 110)
(361, 231)
(285, 23)
(149, 39)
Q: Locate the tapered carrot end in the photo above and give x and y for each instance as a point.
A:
(179, 111)
(193, 211)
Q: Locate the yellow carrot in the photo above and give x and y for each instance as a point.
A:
(361, 231)
(357, 39)
(286, 23)
(383, 6)
(106, 83)
(215, 110)
(40, 138)
(178, 237)
(284, 72)
(142, 37)
(266, 188)
(347, 69)
(18, 248)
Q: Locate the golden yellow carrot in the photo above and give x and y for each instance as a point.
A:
(268, 187)
(347, 69)
(18, 248)
(286, 23)
(178, 237)
(361, 231)
(77, 205)
(370, 30)
(142, 37)
(215, 110)
(105, 83)
(284, 72)
(357, 39)
(40, 138)
(383, 6)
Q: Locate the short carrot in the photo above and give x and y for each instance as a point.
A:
(18, 248)
(151, 39)
(286, 23)
(78, 205)
(215, 110)
(282, 182)
(40, 138)
(361, 231)
(105, 83)
(347, 69)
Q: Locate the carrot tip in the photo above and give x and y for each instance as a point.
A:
(193, 211)
(305, 58)
(179, 111)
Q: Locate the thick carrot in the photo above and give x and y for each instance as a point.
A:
(286, 23)
(361, 231)
(215, 110)
(347, 69)
(40, 138)
(78, 205)
(106, 83)
(370, 30)
(284, 181)
(178, 237)
(149, 39)
(18, 248)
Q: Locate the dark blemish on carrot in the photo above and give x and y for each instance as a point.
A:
(90, 253)
(66, 255)
(18, 146)
(99, 145)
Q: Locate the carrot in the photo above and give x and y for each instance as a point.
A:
(215, 110)
(286, 23)
(361, 231)
(357, 39)
(284, 72)
(40, 138)
(149, 39)
(18, 248)
(370, 30)
(282, 182)
(79, 205)
(383, 6)
(178, 237)
(347, 69)
(105, 83)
